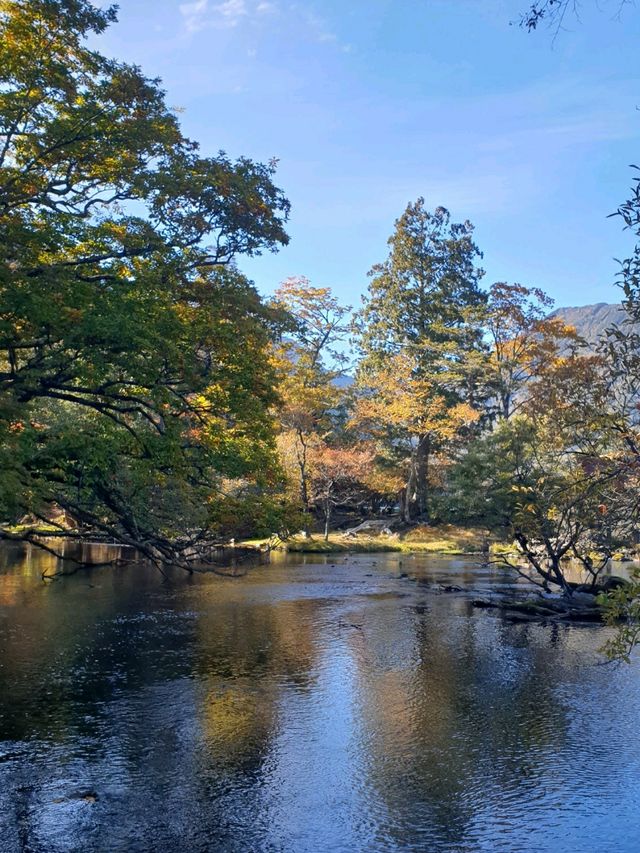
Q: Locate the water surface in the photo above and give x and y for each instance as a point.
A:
(313, 704)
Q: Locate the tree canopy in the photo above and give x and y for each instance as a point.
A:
(414, 335)
(131, 388)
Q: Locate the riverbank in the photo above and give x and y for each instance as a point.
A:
(444, 539)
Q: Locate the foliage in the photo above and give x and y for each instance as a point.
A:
(554, 13)
(339, 477)
(622, 611)
(555, 478)
(308, 361)
(523, 341)
(150, 395)
(409, 413)
(621, 348)
(419, 294)
(131, 351)
(415, 340)
(547, 11)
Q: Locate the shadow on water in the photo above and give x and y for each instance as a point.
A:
(313, 704)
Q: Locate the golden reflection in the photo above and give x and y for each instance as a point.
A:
(233, 718)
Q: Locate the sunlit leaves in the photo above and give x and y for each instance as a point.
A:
(125, 331)
(421, 352)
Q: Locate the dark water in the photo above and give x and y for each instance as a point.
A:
(311, 705)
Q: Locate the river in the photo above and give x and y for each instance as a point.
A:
(312, 704)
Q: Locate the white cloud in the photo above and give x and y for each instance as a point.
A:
(200, 15)
(317, 25)
(231, 12)
(194, 14)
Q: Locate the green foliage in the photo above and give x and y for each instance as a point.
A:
(421, 349)
(421, 294)
(139, 368)
(134, 368)
(622, 610)
(555, 479)
(480, 484)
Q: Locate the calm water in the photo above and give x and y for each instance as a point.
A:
(311, 705)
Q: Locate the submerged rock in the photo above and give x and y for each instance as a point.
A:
(82, 796)
(452, 588)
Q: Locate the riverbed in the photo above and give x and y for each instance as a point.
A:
(316, 703)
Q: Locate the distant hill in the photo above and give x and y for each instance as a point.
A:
(591, 321)
(343, 380)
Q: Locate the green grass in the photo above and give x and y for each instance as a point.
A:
(340, 544)
(503, 549)
(39, 529)
(445, 539)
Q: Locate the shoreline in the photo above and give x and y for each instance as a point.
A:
(445, 539)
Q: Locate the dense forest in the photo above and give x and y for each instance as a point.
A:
(149, 395)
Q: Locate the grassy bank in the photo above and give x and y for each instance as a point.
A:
(445, 539)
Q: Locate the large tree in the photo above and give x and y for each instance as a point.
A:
(310, 361)
(622, 348)
(524, 341)
(555, 477)
(133, 391)
(418, 328)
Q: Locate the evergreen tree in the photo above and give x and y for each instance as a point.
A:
(421, 311)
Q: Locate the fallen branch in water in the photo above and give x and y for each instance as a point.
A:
(568, 608)
(50, 576)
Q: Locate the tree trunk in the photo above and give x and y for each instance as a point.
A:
(403, 503)
(421, 466)
(506, 406)
(301, 454)
(327, 517)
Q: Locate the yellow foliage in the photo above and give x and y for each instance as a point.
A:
(400, 397)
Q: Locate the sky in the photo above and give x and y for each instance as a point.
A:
(368, 104)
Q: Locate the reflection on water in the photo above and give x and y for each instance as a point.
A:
(312, 705)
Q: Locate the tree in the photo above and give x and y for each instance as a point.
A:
(132, 385)
(555, 478)
(420, 293)
(340, 478)
(413, 418)
(310, 362)
(523, 342)
(621, 347)
(415, 333)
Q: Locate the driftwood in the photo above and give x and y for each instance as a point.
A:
(373, 525)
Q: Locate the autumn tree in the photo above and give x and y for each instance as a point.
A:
(410, 417)
(310, 362)
(555, 477)
(621, 347)
(523, 342)
(415, 335)
(340, 476)
(132, 381)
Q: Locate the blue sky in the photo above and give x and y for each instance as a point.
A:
(369, 104)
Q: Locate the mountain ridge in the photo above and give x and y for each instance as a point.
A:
(591, 321)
